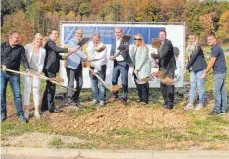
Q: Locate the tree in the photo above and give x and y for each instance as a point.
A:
(9, 7)
(18, 21)
(84, 9)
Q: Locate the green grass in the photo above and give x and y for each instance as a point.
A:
(56, 142)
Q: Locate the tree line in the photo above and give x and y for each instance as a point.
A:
(32, 16)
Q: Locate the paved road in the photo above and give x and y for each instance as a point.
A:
(44, 153)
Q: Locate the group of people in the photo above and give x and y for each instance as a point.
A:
(36, 59)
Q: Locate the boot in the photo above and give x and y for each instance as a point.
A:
(26, 112)
(37, 112)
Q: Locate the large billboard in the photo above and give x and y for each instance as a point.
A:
(175, 33)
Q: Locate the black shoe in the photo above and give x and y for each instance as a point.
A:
(213, 113)
(3, 117)
(56, 110)
(22, 119)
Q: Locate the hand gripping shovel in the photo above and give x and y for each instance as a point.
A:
(54, 80)
(144, 80)
(80, 44)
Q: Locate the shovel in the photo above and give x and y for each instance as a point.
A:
(80, 44)
(108, 86)
(53, 80)
(144, 80)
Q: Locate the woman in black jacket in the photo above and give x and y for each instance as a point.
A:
(196, 66)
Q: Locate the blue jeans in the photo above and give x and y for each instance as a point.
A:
(98, 90)
(197, 84)
(14, 80)
(220, 94)
(117, 70)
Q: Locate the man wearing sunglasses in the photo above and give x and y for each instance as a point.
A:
(122, 61)
(167, 64)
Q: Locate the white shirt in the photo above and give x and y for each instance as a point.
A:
(118, 41)
(102, 56)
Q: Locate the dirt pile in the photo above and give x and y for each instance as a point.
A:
(112, 118)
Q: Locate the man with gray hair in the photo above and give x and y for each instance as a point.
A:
(98, 63)
(74, 70)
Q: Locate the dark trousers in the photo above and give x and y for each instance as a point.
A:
(14, 80)
(167, 92)
(74, 74)
(117, 70)
(49, 93)
(143, 91)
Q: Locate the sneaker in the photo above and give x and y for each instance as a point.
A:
(189, 106)
(101, 103)
(199, 106)
(143, 103)
(94, 102)
(213, 113)
(139, 100)
(22, 119)
(37, 114)
(26, 114)
(3, 117)
(224, 112)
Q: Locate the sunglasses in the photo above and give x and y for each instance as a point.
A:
(137, 39)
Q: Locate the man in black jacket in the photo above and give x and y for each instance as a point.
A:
(167, 64)
(51, 67)
(12, 54)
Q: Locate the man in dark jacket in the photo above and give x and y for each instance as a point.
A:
(121, 63)
(51, 67)
(167, 64)
(12, 54)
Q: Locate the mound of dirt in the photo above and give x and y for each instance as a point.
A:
(113, 118)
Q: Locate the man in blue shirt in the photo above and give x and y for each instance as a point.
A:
(74, 69)
(218, 63)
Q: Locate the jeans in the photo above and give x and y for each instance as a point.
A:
(98, 90)
(14, 80)
(124, 80)
(195, 83)
(74, 74)
(220, 94)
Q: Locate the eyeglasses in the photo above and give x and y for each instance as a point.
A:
(137, 39)
(79, 33)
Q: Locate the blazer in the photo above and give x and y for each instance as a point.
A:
(124, 54)
(197, 61)
(141, 62)
(167, 62)
(52, 59)
(42, 53)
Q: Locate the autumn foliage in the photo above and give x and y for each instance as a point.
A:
(32, 16)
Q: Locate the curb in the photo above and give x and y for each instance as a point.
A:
(114, 154)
